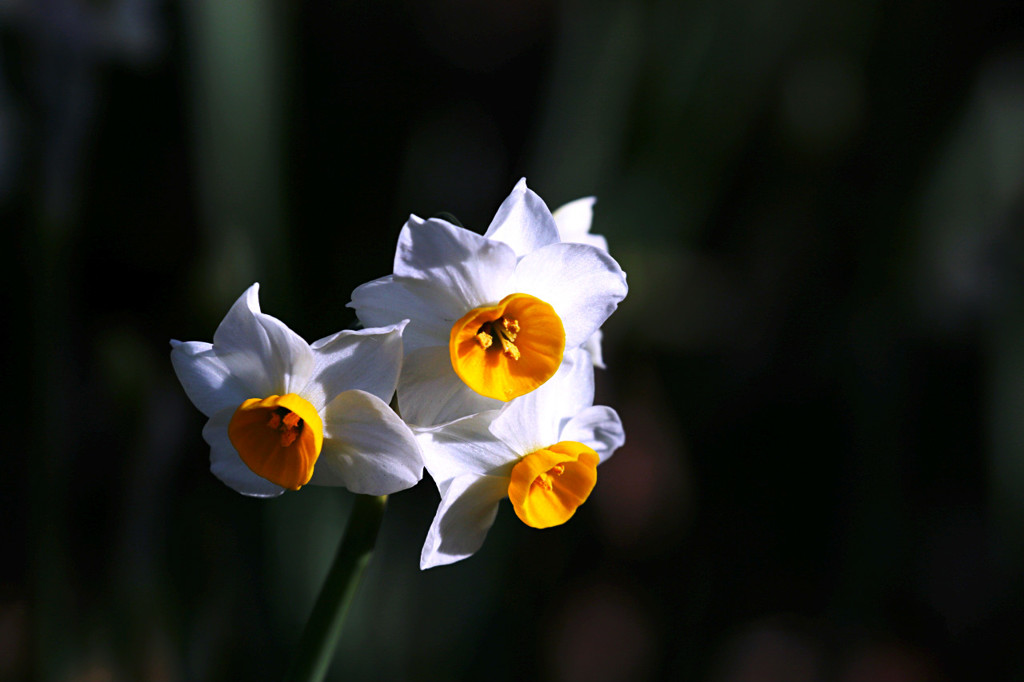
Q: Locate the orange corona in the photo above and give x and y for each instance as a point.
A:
(506, 350)
(279, 438)
(548, 485)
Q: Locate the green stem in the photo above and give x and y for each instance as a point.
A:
(316, 647)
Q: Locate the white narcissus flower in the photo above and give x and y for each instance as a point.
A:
(573, 222)
(284, 413)
(541, 451)
(490, 316)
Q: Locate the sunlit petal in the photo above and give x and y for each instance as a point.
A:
(523, 221)
(582, 283)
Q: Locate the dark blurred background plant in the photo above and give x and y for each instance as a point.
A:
(820, 364)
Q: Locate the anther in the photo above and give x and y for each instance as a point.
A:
(543, 482)
(509, 348)
(288, 423)
(278, 438)
(506, 329)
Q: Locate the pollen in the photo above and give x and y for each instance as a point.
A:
(278, 438)
(508, 349)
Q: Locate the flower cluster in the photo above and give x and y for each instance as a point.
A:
(488, 344)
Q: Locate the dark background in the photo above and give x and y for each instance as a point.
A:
(820, 364)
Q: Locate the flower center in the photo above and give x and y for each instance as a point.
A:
(549, 484)
(506, 350)
(278, 438)
(506, 329)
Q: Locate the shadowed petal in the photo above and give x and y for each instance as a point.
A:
(430, 309)
(207, 381)
(463, 518)
(363, 359)
(367, 448)
(429, 391)
(228, 466)
(593, 346)
(464, 446)
(535, 420)
(598, 427)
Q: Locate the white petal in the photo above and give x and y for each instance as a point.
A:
(207, 381)
(523, 221)
(429, 391)
(535, 420)
(597, 426)
(463, 518)
(260, 350)
(573, 221)
(364, 359)
(367, 448)
(582, 283)
(464, 264)
(228, 466)
(430, 309)
(593, 346)
(464, 446)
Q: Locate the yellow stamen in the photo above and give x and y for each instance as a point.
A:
(278, 438)
(506, 330)
(530, 343)
(510, 349)
(548, 485)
